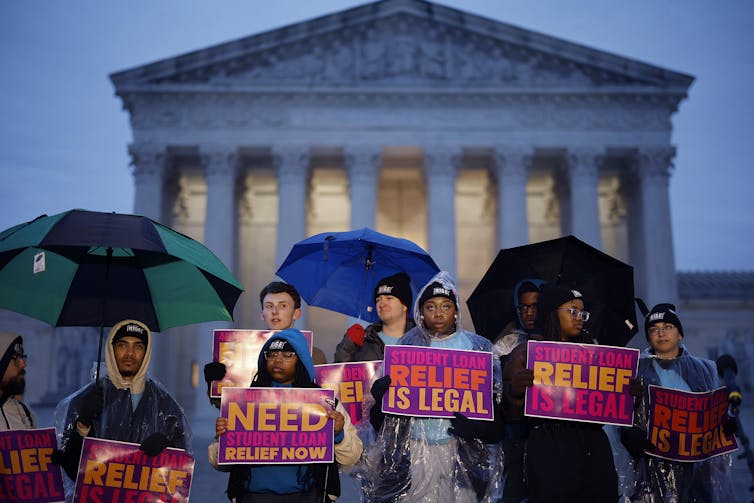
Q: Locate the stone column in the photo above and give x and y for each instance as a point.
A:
(149, 167)
(220, 219)
(440, 169)
(363, 164)
(653, 168)
(512, 170)
(292, 166)
(582, 166)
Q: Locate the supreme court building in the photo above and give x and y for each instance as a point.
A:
(458, 132)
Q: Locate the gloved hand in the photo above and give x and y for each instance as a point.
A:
(730, 426)
(90, 405)
(154, 444)
(636, 388)
(635, 441)
(57, 457)
(464, 427)
(379, 388)
(356, 333)
(214, 371)
(522, 379)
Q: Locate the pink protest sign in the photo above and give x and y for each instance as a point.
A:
(277, 425)
(351, 382)
(118, 472)
(432, 382)
(239, 350)
(687, 426)
(26, 470)
(581, 382)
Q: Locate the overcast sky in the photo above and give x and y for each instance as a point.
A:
(63, 135)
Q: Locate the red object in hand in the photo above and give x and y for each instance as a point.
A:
(356, 333)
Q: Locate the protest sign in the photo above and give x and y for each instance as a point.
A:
(26, 470)
(277, 425)
(432, 382)
(118, 472)
(581, 382)
(239, 350)
(688, 426)
(351, 382)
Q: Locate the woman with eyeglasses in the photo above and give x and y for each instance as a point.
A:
(285, 361)
(667, 363)
(565, 461)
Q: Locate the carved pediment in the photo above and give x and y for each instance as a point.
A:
(400, 43)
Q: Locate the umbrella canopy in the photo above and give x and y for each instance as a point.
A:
(339, 270)
(84, 268)
(606, 283)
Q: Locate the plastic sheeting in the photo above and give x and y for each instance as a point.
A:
(415, 459)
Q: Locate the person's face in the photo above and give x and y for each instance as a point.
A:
(279, 311)
(571, 321)
(129, 355)
(282, 366)
(439, 315)
(665, 339)
(527, 306)
(389, 309)
(14, 378)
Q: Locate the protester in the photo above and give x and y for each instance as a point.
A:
(16, 415)
(281, 307)
(125, 405)
(422, 460)
(564, 460)
(525, 295)
(285, 362)
(667, 363)
(393, 300)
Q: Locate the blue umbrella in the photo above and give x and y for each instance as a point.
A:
(339, 270)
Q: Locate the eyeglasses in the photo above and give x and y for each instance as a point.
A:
(18, 357)
(576, 313)
(655, 330)
(284, 355)
(528, 308)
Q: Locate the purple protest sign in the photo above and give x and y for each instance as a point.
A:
(118, 472)
(581, 382)
(239, 350)
(432, 382)
(26, 470)
(688, 426)
(349, 381)
(277, 425)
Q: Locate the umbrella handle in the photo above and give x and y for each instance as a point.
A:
(104, 310)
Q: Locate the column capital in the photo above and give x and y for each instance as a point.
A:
(291, 163)
(441, 161)
(512, 163)
(362, 162)
(148, 161)
(219, 161)
(583, 162)
(654, 162)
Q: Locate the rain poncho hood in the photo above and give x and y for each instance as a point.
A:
(156, 410)
(659, 480)
(516, 303)
(409, 462)
(298, 341)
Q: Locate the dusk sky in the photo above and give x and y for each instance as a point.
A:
(63, 135)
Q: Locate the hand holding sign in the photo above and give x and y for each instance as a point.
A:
(379, 388)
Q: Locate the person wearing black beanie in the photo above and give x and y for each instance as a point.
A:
(667, 363)
(565, 460)
(392, 299)
(15, 414)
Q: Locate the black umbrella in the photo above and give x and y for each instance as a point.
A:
(606, 283)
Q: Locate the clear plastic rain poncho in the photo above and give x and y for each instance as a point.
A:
(415, 459)
(156, 412)
(656, 480)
